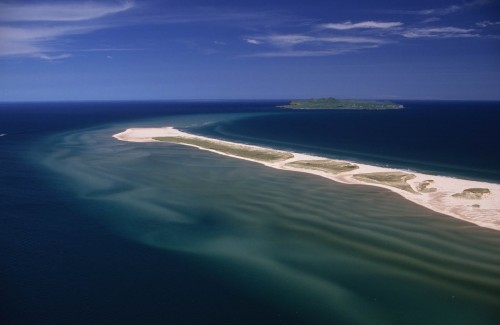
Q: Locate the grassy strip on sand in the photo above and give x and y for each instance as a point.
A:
(472, 193)
(423, 187)
(394, 179)
(242, 151)
(455, 197)
(324, 165)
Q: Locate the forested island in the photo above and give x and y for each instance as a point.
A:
(333, 103)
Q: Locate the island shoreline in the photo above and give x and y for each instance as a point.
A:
(472, 201)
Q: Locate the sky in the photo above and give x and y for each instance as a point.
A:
(249, 49)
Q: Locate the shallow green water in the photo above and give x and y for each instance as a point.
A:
(302, 244)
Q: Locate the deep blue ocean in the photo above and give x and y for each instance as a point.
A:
(98, 231)
(446, 138)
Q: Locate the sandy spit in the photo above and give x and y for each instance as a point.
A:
(437, 193)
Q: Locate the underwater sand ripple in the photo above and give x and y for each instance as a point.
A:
(482, 210)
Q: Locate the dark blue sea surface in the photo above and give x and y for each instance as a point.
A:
(60, 265)
(98, 231)
(441, 137)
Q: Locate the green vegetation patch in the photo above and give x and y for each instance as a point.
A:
(424, 187)
(333, 103)
(472, 193)
(264, 155)
(393, 179)
(324, 165)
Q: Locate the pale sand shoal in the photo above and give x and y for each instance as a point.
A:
(486, 215)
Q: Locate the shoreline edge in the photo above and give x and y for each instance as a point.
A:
(471, 201)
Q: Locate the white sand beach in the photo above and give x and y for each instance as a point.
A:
(472, 201)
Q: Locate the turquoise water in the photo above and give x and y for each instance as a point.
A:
(314, 250)
(98, 231)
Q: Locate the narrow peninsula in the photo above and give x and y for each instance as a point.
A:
(472, 201)
(333, 103)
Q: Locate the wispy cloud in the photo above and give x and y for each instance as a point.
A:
(365, 24)
(29, 41)
(350, 37)
(441, 11)
(297, 45)
(285, 39)
(334, 38)
(487, 23)
(23, 27)
(61, 12)
(430, 20)
(227, 16)
(43, 30)
(452, 8)
(252, 41)
(440, 32)
(24, 31)
(313, 53)
(281, 40)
